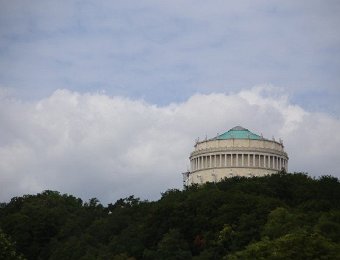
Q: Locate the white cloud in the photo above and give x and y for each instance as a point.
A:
(94, 145)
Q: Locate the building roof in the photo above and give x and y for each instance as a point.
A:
(238, 132)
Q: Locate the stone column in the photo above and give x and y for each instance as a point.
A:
(264, 161)
(248, 159)
(276, 163)
(280, 164)
(268, 161)
(242, 160)
(236, 159)
(283, 163)
(231, 160)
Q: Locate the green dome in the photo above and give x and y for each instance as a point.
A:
(238, 132)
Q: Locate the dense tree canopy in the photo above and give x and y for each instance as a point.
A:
(282, 216)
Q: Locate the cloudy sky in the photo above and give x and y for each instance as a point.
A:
(105, 98)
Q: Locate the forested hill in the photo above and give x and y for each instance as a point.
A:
(282, 216)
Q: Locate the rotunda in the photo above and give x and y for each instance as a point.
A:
(237, 152)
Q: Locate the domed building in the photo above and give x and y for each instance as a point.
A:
(237, 152)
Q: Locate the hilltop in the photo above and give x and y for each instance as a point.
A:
(281, 216)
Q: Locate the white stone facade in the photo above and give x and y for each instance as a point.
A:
(214, 159)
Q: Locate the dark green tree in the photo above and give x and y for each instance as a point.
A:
(7, 248)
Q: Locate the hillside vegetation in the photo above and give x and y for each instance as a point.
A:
(282, 216)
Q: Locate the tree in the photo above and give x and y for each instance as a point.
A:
(172, 246)
(282, 216)
(299, 245)
(7, 248)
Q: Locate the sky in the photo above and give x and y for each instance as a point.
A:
(106, 98)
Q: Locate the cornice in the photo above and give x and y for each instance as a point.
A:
(250, 150)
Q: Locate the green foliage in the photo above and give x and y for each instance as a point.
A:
(329, 225)
(171, 246)
(282, 216)
(7, 249)
(280, 222)
(299, 245)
